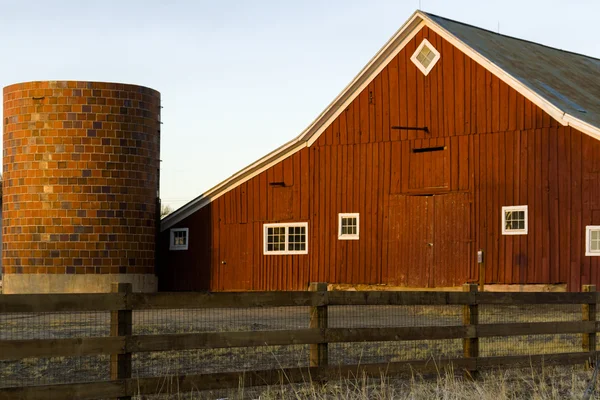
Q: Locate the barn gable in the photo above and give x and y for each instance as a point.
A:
(568, 98)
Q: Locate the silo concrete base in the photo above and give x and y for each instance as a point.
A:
(51, 283)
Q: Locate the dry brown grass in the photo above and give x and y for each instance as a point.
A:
(535, 384)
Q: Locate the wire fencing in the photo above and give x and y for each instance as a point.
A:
(340, 326)
(58, 370)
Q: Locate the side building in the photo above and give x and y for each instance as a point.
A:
(453, 139)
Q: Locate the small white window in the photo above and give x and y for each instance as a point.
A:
(290, 238)
(592, 240)
(514, 220)
(179, 239)
(425, 57)
(348, 226)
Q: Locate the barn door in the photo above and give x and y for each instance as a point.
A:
(234, 266)
(410, 241)
(429, 243)
(452, 240)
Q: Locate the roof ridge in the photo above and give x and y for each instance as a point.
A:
(511, 37)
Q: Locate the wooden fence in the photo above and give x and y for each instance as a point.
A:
(121, 344)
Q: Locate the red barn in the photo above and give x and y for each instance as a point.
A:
(452, 139)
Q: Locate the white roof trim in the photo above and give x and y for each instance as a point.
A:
(350, 92)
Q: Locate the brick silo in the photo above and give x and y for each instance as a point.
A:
(81, 173)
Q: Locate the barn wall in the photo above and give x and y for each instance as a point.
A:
(499, 149)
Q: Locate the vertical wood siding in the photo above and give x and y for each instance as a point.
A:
(499, 149)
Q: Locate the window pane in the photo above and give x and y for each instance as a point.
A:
(349, 225)
(297, 238)
(275, 238)
(514, 220)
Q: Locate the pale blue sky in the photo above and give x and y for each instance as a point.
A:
(239, 78)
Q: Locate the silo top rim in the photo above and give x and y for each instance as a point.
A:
(78, 85)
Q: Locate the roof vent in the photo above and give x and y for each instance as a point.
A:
(425, 57)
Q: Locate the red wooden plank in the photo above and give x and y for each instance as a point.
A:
(372, 117)
(357, 120)
(525, 258)
(385, 105)
(496, 186)
(537, 210)
(467, 84)
(479, 219)
(509, 198)
(334, 194)
(587, 164)
(492, 262)
(482, 126)
(358, 201)
(529, 115)
(463, 163)
(408, 102)
(512, 109)
(377, 135)
(326, 215)
(375, 237)
(447, 59)
(504, 106)
(394, 95)
(459, 91)
(435, 126)
(532, 204)
(364, 182)
(545, 166)
(576, 213)
(335, 132)
(350, 123)
(345, 177)
(488, 102)
(501, 179)
(385, 212)
(454, 163)
(419, 99)
(343, 127)
(516, 190)
(438, 69)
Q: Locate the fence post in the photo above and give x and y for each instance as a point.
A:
(471, 317)
(318, 319)
(121, 325)
(588, 313)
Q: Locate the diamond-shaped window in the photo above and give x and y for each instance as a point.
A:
(425, 57)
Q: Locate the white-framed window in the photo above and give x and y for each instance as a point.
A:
(348, 226)
(592, 240)
(285, 238)
(179, 239)
(425, 57)
(514, 220)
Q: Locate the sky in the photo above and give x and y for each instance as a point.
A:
(239, 78)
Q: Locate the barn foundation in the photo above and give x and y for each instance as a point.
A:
(52, 283)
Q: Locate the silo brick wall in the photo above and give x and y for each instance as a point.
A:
(81, 171)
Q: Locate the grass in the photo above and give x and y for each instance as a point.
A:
(533, 383)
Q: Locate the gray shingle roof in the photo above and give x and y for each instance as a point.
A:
(570, 81)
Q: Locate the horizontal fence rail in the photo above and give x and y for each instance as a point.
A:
(17, 303)
(319, 333)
